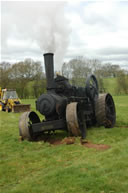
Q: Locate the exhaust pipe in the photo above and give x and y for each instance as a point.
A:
(49, 69)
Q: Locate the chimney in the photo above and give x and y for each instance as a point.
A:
(49, 69)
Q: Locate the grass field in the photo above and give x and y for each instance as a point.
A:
(39, 167)
(110, 85)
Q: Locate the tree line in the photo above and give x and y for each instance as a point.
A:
(28, 77)
(78, 69)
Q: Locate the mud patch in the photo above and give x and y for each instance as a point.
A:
(53, 140)
(50, 139)
(101, 147)
(58, 140)
(69, 140)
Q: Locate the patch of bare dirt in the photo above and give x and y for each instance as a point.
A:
(101, 147)
(57, 141)
(69, 140)
(54, 141)
(50, 139)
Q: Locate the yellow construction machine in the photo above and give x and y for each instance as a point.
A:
(10, 102)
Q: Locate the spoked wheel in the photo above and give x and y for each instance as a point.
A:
(92, 87)
(105, 111)
(25, 122)
(76, 125)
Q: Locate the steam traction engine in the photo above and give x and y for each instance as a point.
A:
(66, 107)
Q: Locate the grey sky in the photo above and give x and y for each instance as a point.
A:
(94, 29)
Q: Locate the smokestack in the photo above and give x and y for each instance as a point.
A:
(49, 69)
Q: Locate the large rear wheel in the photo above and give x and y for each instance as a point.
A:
(105, 111)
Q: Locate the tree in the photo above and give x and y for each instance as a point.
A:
(5, 68)
(97, 69)
(76, 70)
(122, 83)
(24, 72)
(66, 70)
(39, 85)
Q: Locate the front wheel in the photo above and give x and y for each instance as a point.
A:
(25, 122)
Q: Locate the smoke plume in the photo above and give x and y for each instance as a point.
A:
(41, 23)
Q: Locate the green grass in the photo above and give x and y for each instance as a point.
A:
(121, 103)
(38, 167)
(110, 85)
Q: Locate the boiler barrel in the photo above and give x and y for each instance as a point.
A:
(49, 104)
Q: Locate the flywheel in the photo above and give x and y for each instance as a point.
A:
(105, 111)
(92, 88)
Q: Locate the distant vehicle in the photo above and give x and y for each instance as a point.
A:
(10, 102)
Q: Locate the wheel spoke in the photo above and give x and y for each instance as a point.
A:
(92, 87)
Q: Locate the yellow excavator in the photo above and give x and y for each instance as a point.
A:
(10, 102)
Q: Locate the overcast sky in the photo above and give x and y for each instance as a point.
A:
(94, 29)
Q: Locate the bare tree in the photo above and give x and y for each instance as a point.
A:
(66, 70)
(77, 70)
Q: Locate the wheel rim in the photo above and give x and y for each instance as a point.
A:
(72, 119)
(110, 111)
